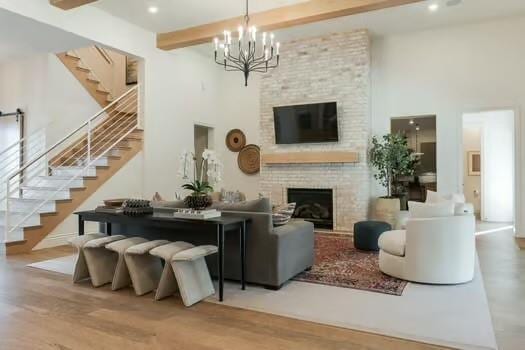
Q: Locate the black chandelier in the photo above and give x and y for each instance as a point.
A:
(247, 55)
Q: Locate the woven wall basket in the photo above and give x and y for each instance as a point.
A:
(235, 140)
(249, 159)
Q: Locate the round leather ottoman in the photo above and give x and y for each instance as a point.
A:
(366, 234)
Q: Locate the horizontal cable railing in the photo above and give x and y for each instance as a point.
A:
(18, 155)
(67, 161)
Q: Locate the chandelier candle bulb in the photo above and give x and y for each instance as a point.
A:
(264, 39)
(216, 42)
(278, 46)
(241, 30)
(272, 37)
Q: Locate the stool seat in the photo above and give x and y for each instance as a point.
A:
(192, 274)
(81, 269)
(121, 277)
(167, 283)
(366, 234)
(101, 262)
(144, 268)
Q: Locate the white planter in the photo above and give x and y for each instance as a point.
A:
(386, 210)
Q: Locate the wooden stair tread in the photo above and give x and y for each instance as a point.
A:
(15, 243)
(83, 69)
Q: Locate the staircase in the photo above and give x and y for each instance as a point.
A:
(87, 77)
(49, 187)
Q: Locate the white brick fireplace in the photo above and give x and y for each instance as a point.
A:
(329, 68)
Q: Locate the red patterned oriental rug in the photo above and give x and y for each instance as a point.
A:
(338, 263)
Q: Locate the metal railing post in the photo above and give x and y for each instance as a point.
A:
(6, 228)
(89, 143)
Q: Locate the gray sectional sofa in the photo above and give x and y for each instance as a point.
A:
(273, 254)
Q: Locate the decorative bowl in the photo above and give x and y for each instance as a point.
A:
(115, 203)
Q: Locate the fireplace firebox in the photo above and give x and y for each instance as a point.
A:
(314, 205)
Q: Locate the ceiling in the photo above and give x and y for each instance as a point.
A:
(177, 14)
(22, 37)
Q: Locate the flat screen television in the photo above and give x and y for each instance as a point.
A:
(311, 123)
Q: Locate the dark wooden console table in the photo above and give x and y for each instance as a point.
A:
(220, 225)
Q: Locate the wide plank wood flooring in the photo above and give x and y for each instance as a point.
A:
(44, 310)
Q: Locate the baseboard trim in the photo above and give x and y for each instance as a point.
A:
(56, 240)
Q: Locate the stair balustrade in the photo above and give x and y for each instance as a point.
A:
(35, 187)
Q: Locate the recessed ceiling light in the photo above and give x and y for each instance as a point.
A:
(153, 9)
(433, 7)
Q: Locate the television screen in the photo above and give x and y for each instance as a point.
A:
(312, 123)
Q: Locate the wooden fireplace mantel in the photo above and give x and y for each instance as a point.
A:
(310, 157)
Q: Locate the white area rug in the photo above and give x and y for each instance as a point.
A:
(64, 265)
(455, 316)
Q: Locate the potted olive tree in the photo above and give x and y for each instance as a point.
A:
(392, 159)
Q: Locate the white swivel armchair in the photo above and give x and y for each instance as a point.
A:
(438, 250)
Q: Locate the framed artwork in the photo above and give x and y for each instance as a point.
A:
(474, 163)
(132, 68)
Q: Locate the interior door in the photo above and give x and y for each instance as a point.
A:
(9, 134)
(497, 164)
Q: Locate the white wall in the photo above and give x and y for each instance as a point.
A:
(448, 72)
(47, 92)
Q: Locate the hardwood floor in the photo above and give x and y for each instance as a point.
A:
(43, 310)
(503, 269)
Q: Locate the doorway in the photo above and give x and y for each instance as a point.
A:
(420, 133)
(11, 132)
(203, 139)
(489, 165)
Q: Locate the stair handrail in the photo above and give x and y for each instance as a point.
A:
(62, 140)
(46, 152)
(66, 185)
(110, 120)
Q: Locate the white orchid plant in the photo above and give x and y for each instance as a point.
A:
(209, 161)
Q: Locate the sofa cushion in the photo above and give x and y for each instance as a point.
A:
(463, 209)
(261, 205)
(431, 210)
(393, 242)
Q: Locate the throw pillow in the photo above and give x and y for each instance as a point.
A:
(431, 210)
(281, 215)
(433, 197)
